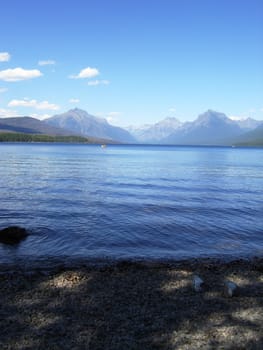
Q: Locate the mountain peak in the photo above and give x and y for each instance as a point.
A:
(211, 116)
(248, 123)
(77, 110)
(83, 123)
(152, 133)
(77, 115)
(172, 121)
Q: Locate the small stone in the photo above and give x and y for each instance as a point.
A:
(230, 289)
(198, 283)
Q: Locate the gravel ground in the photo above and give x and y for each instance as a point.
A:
(129, 305)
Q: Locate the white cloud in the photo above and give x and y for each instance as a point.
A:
(86, 73)
(236, 117)
(6, 113)
(98, 82)
(252, 113)
(113, 117)
(40, 116)
(46, 62)
(74, 100)
(4, 56)
(45, 105)
(18, 74)
(3, 90)
(114, 114)
(172, 110)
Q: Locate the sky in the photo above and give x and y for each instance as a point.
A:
(131, 61)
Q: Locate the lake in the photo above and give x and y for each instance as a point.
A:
(118, 202)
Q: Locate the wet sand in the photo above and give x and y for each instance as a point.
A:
(131, 305)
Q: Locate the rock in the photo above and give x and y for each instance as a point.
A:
(13, 234)
(198, 283)
(257, 264)
(230, 289)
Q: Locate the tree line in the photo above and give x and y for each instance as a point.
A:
(20, 137)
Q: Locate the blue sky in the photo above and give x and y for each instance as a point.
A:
(132, 61)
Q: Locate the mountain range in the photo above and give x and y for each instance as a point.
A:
(28, 125)
(155, 133)
(82, 123)
(251, 138)
(210, 128)
(32, 126)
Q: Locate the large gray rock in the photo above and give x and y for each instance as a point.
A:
(13, 234)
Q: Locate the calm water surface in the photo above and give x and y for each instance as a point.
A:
(132, 201)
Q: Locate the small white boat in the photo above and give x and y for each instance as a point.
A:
(103, 146)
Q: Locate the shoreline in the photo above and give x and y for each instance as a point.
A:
(54, 263)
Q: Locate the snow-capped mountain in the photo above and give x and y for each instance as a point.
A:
(155, 133)
(82, 123)
(249, 123)
(210, 128)
(251, 138)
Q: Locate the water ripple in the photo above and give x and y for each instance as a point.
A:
(150, 202)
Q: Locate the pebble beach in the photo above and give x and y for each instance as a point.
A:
(132, 305)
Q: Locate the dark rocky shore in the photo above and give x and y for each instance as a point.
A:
(131, 305)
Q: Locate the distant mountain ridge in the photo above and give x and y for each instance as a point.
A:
(29, 125)
(82, 123)
(249, 124)
(210, 128)
(16, 128)
(155, 133)
(251, 138)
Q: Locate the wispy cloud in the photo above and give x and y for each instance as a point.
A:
(252, 113)
(43, 105)
(4, 56)
(236, 117)
(86, 73)
(7, 113)
(172, 110)
(18, 74)
(114, 114)
(74, 100)
(98, 82)
(3, 90)
(46, 62)
(113, 117)
(40, 116)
